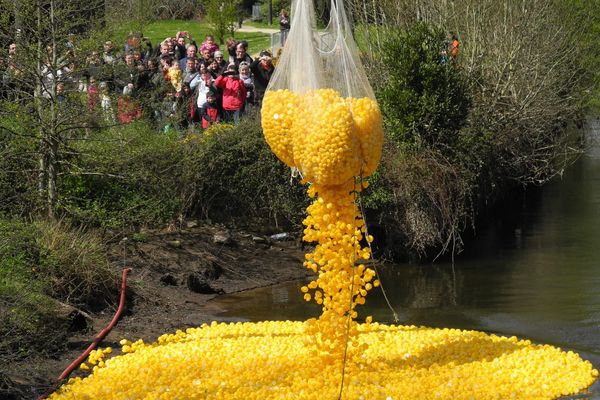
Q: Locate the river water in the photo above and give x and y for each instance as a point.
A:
(535, 275)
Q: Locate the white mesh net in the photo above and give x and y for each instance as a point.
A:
(315, 59)
(319, 113)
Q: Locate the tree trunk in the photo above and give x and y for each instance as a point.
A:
(52, 140)
(42, 182)
(51, 169)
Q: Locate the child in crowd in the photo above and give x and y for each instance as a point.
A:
(92, 94)
(168, 110)
(128, 109)
(210, 112)
(210, 45)
(176, 76)
(106, 103)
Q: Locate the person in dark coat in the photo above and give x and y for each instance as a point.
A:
(209, 112)
(262, 68)
(241, 55)
(284, 26)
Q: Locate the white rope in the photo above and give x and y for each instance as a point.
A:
(362, 213)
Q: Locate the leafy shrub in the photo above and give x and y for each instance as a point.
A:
(232, 176)
(424, 100)
(278, 5)
(421, 192)
(17, 166)
(223, 18)
(132, 176)
(128, 176)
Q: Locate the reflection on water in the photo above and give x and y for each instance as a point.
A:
(535, 276)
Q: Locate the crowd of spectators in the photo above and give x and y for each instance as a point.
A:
(176, 84)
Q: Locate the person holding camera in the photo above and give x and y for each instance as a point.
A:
(284, 26)
(209, 112)
(234, 94)
(180, 50)
(262, 68)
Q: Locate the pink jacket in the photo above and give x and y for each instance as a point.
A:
(211, 47)
(234, 92)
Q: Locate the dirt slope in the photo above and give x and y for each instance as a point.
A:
(174, 276)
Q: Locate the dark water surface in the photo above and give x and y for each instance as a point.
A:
(536, 276)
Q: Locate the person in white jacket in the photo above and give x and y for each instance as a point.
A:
(248, 79)
(201, 85)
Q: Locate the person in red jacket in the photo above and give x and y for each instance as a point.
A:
(128, 109)
(234, 94)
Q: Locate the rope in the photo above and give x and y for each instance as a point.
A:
(387, 300)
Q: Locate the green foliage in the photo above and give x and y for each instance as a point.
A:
(278, 5)
(232, 176)
(131, 176)
(585, 16)
(143, 11)
(423, 99)
(128, 177)
(223, 17)
(139, 237)
(378, 196)
(422, 188)
(17, 166)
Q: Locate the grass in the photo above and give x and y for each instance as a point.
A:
(159, 30)
(43, 266)
(261, 24)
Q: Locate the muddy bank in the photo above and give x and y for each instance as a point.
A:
(174, 277)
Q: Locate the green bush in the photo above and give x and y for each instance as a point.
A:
(421, 192)
(131, 176)
(423, 100)
(17, 165)
(232, 176)
(128, 176)
(278, 5)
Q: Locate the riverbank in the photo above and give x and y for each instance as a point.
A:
(174, 277)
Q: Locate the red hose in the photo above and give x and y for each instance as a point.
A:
(65, 374)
